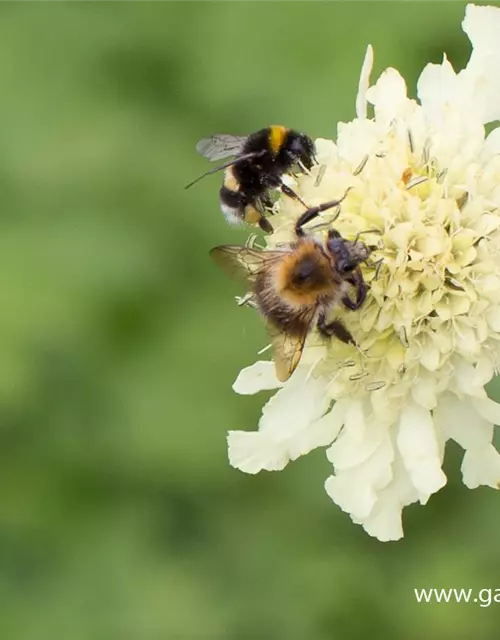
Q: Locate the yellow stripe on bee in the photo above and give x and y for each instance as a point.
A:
(277, 135)
(230, 181)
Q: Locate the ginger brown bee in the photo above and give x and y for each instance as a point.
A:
(296, 287)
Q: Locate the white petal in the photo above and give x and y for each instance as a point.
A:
(487, 409)
(481, 466)
(357, 441)
(483, 372)
(252, 452)
(319, 433)
(419, 449)
(295, 406)
(465, 377)
(436, 88)
(482, 25)
(480, 83)
(481, 78)
(353, 489)
(353, 498)
(364, 83)
(461, 421)
(388, 96)
(259, 376)
(492, 144)
(424, 391)
(293, 423)
(326, 151)
(357, 139)
(384, 522)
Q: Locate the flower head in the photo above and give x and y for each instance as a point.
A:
(425, 192)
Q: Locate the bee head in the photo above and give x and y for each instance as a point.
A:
(300, 148)
(348, 255)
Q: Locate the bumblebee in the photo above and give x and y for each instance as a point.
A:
(295, 288)
(260, 161)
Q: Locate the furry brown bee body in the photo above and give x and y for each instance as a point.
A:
(295, 289)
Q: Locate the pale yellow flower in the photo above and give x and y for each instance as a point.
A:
(425, 190)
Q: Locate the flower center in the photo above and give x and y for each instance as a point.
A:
(424, 276)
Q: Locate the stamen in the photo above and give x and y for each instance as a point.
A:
(321, 175)
(358, 376)
(416, 181)
(441, 176)
(347, 363)
(410, 141)
(361, 166)
(462, 200)
(375, 386)
(403, 336)
(378, 267)
(426, 151)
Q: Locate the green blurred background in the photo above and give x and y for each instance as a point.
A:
(120, 518)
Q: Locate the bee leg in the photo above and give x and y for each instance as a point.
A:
(357, 280)
(334, 328)
(291, 194)
(266, 204)
(314, 212)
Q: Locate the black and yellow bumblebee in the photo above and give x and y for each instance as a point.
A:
(297, 287)
(260, 161)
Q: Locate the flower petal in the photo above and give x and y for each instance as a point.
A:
(260, 376)
(481, 466)
(364, 83)
(481, 78)
(384, 522)
(252, 452)
(460, 421)
(354, 488)
(437, 88)
(419, 449)
(293, 423)
(388, 96)
(482, 25)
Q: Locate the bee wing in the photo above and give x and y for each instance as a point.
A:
(243, 263)
(288, 347)
(221, 146)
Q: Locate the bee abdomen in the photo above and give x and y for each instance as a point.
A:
(289, 321)
(293, 320)
(232, 204)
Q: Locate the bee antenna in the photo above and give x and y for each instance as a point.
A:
(241, 158)
(360, 233)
